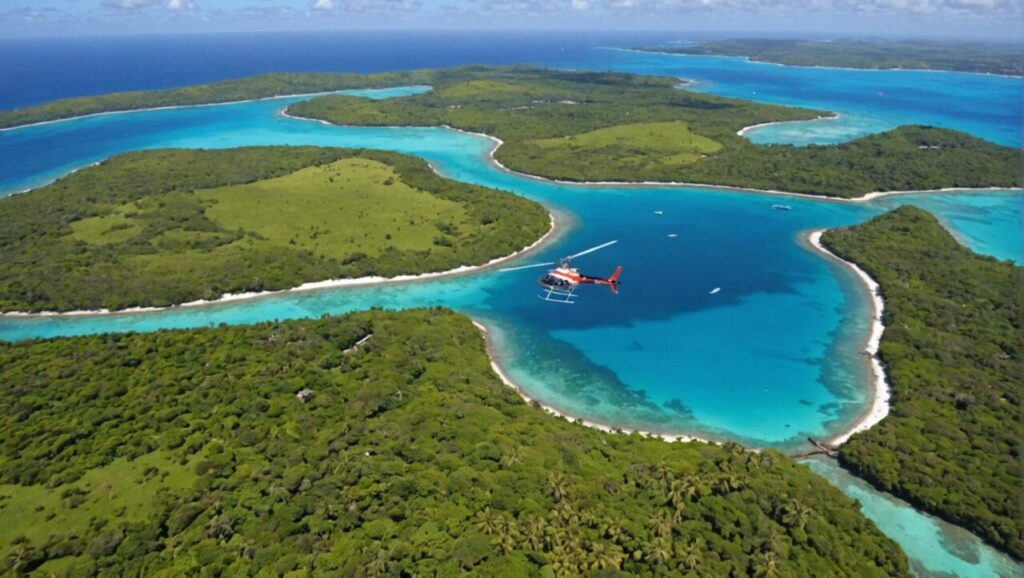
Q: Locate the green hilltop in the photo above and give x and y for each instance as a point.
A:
(187, 452)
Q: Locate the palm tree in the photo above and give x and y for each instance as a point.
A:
(692, 555)
(675, 493)
(380, 563)
(662, 522)
(488, 521)
(603, 556)
(559, 486)
(795, 514)
(534, 533)
(505, 536)
(660, 550)
(766, 565)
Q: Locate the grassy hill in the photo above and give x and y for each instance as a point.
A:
(171, 226)
(584, 126)
(186, 452)
(952, 345)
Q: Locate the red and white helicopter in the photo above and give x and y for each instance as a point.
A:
(560, 283)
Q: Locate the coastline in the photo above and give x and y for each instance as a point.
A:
(666, 184)
(177, 106)
(556, 228)
(754, 60)
(743, 131)
(496, 367)
(881, 393)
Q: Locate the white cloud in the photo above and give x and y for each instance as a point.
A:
(579, 5)
(130, 5)
(323, 5)
(182, 6)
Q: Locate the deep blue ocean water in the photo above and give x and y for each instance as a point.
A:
(773, 357)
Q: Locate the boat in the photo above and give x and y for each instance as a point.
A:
(659, 212)
(782, 207)
(672, 235)
(715, 290)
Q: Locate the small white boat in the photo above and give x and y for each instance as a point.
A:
(715, 290)
(782, 207)
(659, 212)
(672, 235)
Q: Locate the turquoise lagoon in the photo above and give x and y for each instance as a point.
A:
(772, 357)
(868, 101)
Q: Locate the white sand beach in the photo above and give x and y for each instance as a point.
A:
(879, 407)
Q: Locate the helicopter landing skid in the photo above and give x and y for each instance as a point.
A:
(558, 296)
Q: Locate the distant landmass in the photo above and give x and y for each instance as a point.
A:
(982, 57)
(952, 349)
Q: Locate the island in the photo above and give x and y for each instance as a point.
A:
(582, 126)
(376, 443)
(982, 57)
(166, 227)
(952, 352)
(601, 126)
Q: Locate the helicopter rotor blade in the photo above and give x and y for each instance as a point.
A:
(591, 250)
(526, 267)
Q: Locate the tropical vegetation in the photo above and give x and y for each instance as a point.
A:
(164, 227)
(187, 452)
(985, 57)
(952, 350)
(586, 126)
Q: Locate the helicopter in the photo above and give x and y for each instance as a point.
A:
(559, 284)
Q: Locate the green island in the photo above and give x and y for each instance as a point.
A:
(597, 126)
(583, 126)
(982, 57)
(952, 348)
(164, 227)
(187, 451)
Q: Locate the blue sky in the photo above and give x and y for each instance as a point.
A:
(996, 19)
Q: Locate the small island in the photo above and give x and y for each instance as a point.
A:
(981, 57)
(166, 227)
(952, 352)
(404, 455)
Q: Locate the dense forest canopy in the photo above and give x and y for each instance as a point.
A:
(585, 126)
(180, 452)
(986, 57)
(164, 227)
(952, 348)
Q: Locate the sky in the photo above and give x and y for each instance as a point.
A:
(977, 19)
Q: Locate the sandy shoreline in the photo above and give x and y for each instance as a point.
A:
(176, 106)
(553, 231)
(496, 367)
(667, 184)
(743, 131)
(881, 393)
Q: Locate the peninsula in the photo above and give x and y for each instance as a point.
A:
(166, 227)
(952, 351)
(981, 57)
